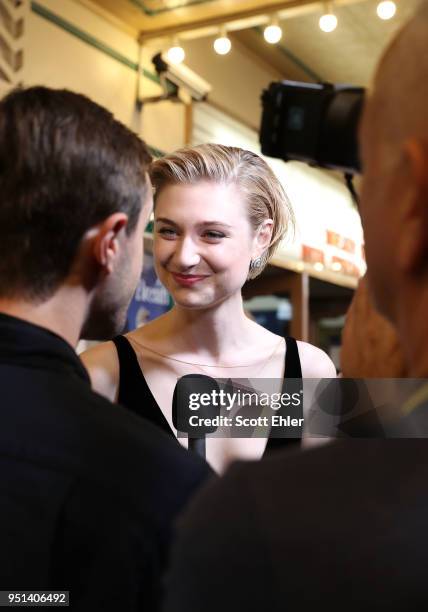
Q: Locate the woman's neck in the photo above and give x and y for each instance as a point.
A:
(216, 333)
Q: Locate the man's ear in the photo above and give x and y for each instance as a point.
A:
(106, 240)
(262, 238)
(412, 247)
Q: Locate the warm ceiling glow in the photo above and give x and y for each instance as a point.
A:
(328, 22)
(222, 45)
(176, 54)
(272, 34)
(386, 10)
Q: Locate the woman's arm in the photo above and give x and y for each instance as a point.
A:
(102, 364)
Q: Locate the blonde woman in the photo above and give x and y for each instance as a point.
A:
(220, 212)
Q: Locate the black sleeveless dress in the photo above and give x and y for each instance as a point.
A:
(135, 394)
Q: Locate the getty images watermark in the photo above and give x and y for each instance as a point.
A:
(227, 400)
(238, 408)
(290, 408)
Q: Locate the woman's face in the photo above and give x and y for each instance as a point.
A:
(203, 242)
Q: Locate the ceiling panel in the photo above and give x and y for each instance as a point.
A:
(154, 15)
(156, 7)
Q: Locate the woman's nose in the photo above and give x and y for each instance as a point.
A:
(186, 253)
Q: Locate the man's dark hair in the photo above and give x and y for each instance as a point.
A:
(65, 165)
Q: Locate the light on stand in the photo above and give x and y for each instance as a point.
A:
(386, 10)
(175, 53)
(222, 44)
(328, 21)
(273, 32)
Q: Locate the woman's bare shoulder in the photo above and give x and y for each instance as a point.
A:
(151, 333)
(102, 363)
(315, 362)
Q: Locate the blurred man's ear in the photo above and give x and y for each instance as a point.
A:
(412, 247)
(416, 150)
(106, 243)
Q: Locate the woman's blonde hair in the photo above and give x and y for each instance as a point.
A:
(253, 177)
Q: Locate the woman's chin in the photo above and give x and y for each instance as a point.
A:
(192, 300)
(192, 304)
(198, 302)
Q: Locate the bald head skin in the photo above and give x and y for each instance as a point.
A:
(400, 95)
(394, 200)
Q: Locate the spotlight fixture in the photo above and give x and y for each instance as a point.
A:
(175, 53)
(222, 44)
(386, 10)
(273, 32)
(328, 21)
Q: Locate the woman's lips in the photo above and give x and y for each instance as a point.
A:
(187, 280)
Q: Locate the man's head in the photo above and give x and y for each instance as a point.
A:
(75, 196)
(394, 143)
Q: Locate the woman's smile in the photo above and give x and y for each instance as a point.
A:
(187, 280)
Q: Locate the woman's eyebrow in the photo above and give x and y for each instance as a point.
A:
(165, 220)
(221, 223)
(202, 224)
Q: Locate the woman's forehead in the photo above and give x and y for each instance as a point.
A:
(204, 200)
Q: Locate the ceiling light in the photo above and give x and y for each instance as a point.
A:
(273, 32)
(318, 266)
(175, 53)
(222, 44)
(386, 10)
(336, 266)
(328, 21)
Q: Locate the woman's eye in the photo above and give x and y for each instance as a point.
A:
(167, 232)
(214, 235)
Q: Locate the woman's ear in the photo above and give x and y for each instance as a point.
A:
(262, 238)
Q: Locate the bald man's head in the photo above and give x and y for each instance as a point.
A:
(394, 150)
(399, 99)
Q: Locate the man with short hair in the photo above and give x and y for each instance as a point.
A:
(88, 491)
(339, 527)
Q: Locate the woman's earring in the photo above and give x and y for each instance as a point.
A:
(255, 263)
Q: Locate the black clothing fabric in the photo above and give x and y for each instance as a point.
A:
(340, 527)
(135, 394)
(88, 492)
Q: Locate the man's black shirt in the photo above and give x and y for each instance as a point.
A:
(88, 491)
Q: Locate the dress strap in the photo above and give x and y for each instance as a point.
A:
(293, 368)
(129, 368)
(134, 392)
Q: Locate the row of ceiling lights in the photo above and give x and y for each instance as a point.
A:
(273, 32)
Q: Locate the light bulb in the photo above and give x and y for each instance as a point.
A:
(272, 34)
(222, 45)
(176, 54)
(386, 10)
(328, 22)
